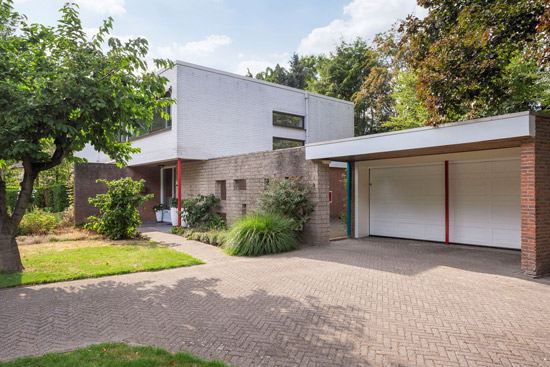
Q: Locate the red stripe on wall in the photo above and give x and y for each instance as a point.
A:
(447, 202)
(179, 192)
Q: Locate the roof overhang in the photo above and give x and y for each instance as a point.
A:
(488, 133)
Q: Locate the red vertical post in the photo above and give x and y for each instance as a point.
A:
(179, 192)
(447, 202)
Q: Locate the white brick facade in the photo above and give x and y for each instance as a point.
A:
(221, 114)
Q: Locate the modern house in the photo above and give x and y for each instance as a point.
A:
(219, 114)
(483, 182)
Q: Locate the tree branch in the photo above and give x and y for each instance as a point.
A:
(26, 190)
(3, 203)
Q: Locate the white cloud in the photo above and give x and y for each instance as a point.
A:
(104, 6)
(90, 32)
(362, 18)
(205, 46)
(194, 51)
(255, 65)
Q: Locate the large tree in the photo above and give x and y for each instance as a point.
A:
(464, 54)
(352, 72)
(59, 91)
(302, 70)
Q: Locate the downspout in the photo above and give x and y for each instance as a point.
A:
(306, 117)
(348, 207)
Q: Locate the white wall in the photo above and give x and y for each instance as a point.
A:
(329, 119)
(157, 147)
(223, 114)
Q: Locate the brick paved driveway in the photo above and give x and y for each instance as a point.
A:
(352, 303)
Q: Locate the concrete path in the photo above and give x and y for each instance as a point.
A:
(352, 303)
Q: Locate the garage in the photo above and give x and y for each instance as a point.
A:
(483, 202)
(483, 182)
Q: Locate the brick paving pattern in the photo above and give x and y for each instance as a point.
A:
(351, 303)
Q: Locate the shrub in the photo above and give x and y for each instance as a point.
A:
(261, 234)
(214, 237)
(119, 215)
(200, 211)
(289, 197)
(37, 222)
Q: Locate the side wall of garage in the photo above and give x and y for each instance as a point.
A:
(535, 200)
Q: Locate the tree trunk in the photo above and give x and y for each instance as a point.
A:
(10, 260)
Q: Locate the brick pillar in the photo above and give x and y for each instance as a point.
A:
(535, 200)
(317, 228)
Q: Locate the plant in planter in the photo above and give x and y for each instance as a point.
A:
(158, 211)
(174, 211)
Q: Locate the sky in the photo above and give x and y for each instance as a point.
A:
(233, 35)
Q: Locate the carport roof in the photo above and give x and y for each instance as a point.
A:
(487, 133)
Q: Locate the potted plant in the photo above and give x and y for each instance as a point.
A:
(174, 211)
(158, 212)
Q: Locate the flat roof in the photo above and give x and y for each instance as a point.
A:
(494, 132)
(254, 80)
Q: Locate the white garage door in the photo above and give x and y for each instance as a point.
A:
(408, 202)
(485, 204)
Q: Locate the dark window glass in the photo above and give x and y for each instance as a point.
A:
(221, 190)
(239, 185)
(285, 119)
(159, 122)
(282, 143)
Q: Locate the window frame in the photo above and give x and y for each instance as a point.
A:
(302, 127)
(303, 143)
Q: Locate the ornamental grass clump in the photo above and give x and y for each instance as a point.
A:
(261, 234)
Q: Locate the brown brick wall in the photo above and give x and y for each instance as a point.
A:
(85, 187)
(337, 186)
(199, 177)
(535, 200)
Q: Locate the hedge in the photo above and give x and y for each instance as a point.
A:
(53, 198)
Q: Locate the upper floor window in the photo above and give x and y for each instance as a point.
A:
(288, 120)
(283, 143)
(159, 123)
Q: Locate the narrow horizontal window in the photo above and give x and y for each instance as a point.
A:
(288, 120)
(159, 123)
(283, 143)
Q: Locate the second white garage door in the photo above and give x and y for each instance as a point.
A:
(485, 204)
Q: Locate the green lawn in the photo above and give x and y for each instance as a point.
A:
(114, 355)
(57, 261)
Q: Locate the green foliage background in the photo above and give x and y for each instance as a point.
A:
(466, 59)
